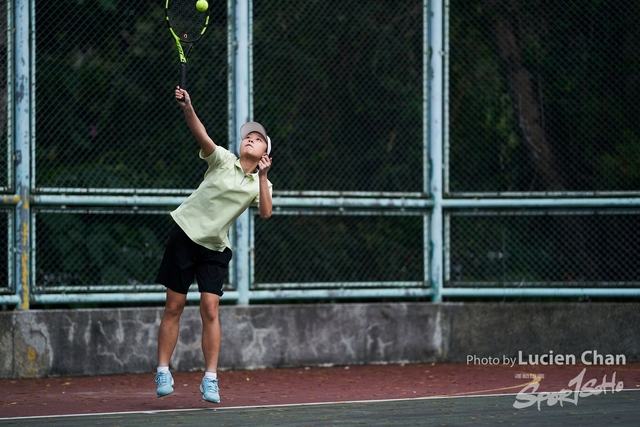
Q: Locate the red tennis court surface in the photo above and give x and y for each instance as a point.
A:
(132, 393)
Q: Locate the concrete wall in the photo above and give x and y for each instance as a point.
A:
(111, 341)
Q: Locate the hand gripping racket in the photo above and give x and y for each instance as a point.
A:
(187, 25)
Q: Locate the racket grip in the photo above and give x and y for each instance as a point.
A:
(183, 76)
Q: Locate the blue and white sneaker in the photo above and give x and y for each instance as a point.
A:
(165, 383)
(209, 390)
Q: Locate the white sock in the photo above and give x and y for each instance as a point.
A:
(212, 375)
(163, 369)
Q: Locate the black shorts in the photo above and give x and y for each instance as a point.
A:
(184, 259)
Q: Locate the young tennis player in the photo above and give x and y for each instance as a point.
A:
(199, 246)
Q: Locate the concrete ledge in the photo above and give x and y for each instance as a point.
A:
(112, 341)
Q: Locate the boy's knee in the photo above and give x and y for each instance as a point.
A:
(209, 314)
(173, 310)
(174, 304)
(209, 310)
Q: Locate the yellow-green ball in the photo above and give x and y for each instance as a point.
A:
(202, 5)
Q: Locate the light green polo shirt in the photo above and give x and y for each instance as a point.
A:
(225, 193)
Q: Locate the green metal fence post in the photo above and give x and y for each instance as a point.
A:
(22, 157)
(434, 129)
(242, 101)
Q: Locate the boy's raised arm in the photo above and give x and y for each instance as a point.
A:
(197, 128)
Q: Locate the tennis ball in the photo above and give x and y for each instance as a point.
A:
(202, 5)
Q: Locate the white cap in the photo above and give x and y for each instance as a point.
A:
(249, 127)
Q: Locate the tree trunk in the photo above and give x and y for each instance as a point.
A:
(526, 99)
(526, 94)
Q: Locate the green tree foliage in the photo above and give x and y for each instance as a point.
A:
(581, 65)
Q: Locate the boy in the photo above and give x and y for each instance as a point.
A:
(199, 245)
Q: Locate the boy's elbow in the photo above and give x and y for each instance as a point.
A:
(265, 215)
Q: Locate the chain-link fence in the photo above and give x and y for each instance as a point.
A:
(539, 100)
(105, 113)
(340, 85)
(543, 102)
(99, 250)
(534, 248)
(6, 254)
(368, 249)
(106, 123)
(6, 152)
(543, 97)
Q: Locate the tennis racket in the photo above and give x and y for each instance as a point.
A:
(187, 25)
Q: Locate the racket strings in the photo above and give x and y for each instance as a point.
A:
(185, 20)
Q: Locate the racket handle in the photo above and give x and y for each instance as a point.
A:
(183, 77)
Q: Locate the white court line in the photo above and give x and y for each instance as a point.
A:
(282, 405)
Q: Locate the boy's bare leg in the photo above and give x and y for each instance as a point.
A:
(211, 333)
(170, 326)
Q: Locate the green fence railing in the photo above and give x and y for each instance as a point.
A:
(440, 150)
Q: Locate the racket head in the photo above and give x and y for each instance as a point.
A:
(186, 23)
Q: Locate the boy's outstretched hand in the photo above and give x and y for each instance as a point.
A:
(182, 96)
(264, 164)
